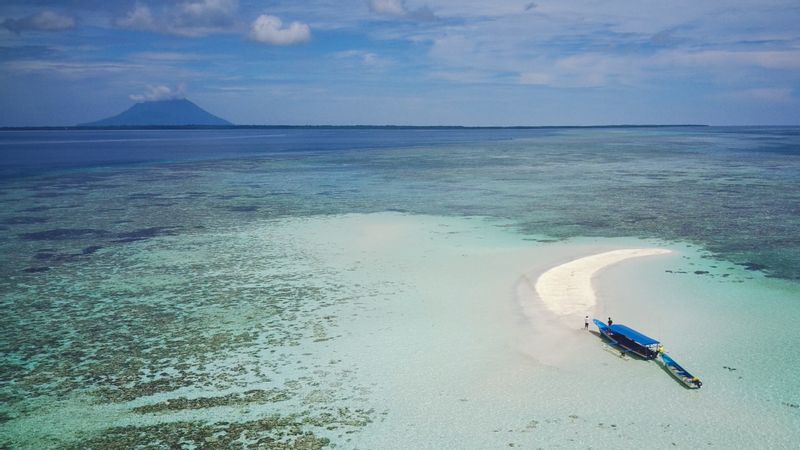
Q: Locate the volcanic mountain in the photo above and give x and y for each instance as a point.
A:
(173, 112)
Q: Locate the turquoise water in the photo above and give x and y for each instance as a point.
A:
(203, 288)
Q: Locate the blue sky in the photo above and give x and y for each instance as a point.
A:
(405, 62)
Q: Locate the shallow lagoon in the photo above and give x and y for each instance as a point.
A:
(236, 298)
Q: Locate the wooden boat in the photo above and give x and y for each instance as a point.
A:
(681, 374)
(629, 339)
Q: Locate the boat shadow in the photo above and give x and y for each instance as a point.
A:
(634, 356)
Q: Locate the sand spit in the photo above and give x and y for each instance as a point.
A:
(567, 289)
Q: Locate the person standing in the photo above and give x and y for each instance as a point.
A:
(586, 323)
(610, 322)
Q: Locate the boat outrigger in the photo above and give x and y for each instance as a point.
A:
(629, 340)
(681, 374)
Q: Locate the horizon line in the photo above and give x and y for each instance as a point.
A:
(477, 127)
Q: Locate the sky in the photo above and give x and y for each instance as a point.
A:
(405, 62)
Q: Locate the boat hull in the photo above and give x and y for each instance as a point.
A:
(631, 347)
(625, 343)
(680, 374)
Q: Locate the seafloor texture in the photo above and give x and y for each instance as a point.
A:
(731, 190)
(232, 299)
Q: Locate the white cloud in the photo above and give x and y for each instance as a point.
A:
(197, 18)
(465, 76)
(139, 18)
(593, 69)
(190, 18)
(767, 59)
(366, 59)
(455, 49)
(388, 7)
(270, 30)
(589, 70)
(535, 78)
(42, 21)
(205, 14)
(70, 69)
(160, 92)
(398, 9)
(559, 44)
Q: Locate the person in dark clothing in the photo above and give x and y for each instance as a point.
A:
(610, 322)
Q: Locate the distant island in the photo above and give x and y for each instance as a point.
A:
(161, 113)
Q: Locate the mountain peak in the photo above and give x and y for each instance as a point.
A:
(171, 112)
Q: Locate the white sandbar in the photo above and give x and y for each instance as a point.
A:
(567, 289)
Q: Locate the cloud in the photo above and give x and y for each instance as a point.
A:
(70, 69)
(365, 59)
(764, 95)
(557, 46)
(583, 71)
(139, 18)
(197, 18)
(787, 59)
(454, 49)
(43, 21)
(593, 69)
(192, 18)
(398, 9)
(205, 14)
(270, 30)
(463, 76)
(160, 92)
(388, 7)
(166, 56)
(535, 78)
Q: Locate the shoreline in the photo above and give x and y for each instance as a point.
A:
(555, 298)
(567, 289)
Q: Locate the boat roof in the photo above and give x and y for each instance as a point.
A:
(633, 335)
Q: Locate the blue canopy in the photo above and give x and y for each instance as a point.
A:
(633, 335)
